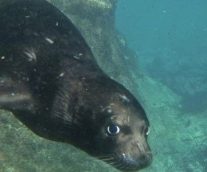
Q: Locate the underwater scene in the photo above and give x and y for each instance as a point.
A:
(103, 86)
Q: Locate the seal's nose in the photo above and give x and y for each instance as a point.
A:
(143, 156)
(145, 159)
(133, 163)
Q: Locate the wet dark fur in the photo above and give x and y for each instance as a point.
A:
(62, 91)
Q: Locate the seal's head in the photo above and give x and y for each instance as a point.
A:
(113, 125)
(123, 135)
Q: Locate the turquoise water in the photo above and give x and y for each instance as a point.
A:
(170, 39)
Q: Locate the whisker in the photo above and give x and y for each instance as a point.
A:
(120, 166)
(105, 156)
(102, 156)
(119, 162)
(107, 159)
(114, 163)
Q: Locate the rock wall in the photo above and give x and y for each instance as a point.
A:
(173, 139)
(95, 19)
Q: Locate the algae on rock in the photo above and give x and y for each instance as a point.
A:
(95, 19)
(170, 139)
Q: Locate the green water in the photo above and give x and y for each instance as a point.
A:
(167, 36)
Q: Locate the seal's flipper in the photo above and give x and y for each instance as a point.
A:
(14, 95)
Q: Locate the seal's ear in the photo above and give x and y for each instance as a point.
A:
(14, 95)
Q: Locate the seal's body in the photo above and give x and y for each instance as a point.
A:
(51, 82)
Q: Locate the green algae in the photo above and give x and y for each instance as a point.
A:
(178, 140)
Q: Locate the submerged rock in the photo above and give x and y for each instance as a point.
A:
(96, 21)
(22, 151)
(176, 140)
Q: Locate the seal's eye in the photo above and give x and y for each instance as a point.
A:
(112, 129)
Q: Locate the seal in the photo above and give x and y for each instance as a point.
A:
(51, 82)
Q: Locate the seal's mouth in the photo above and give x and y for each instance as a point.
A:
(126, 162)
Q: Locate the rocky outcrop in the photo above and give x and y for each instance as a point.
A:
(174, 139)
